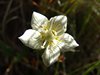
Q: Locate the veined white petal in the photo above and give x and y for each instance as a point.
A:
(69, 43)
(38, 20)
(26, 36)
(59, 24)
(32, 39)
(51, 54)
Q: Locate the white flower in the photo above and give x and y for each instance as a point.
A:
(49, 35)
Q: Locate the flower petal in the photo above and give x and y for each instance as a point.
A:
(38, 20)
(59, 24)
(51, 54)
(32, 39)
(69, 43)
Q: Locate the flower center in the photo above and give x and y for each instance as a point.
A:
(48, 37)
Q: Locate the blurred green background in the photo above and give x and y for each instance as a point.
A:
(83, 24)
